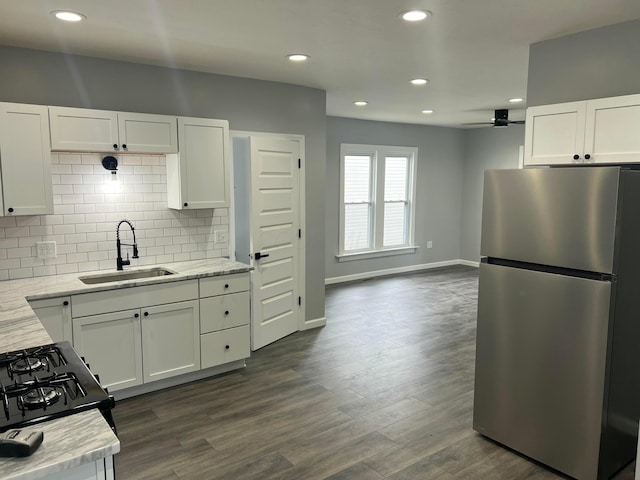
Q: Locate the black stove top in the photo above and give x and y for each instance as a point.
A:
(41, 383)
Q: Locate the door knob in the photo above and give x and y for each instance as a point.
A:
(259, 255)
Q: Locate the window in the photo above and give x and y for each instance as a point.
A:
(377, 200)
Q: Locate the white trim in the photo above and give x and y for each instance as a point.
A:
(469, 263)
(348, 257)
(392, 271)
(315, 323)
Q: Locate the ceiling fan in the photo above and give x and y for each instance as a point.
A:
(501, 119)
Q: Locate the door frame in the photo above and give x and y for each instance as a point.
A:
(302, 260)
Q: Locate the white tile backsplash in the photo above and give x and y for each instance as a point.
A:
(87, 209)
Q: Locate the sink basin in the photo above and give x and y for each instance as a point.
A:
(125, 275)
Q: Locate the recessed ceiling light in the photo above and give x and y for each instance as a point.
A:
(427, 112)
(68, 16)
(360, 103)
(516, 100)
(415, 15)
(298, 57)
(419, 81)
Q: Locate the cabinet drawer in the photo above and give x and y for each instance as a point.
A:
(224, 311)
(222, 284)
(135, 297)
(225, 346)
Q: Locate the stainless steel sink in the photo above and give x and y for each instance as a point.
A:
(126, 275)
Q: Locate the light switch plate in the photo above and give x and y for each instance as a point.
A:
(46, 249)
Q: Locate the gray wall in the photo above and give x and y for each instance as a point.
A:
(484, 148)
(31, 76)
(604, 62)
(438, 190)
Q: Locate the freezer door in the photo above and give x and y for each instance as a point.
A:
(540, 365)
(565, 217)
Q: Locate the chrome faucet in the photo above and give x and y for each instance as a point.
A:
(119, 261)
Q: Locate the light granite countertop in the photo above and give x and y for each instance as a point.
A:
(84, 437)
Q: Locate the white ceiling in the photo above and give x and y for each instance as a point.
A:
(475, 52)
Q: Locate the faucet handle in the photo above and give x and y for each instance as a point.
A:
(135, 251)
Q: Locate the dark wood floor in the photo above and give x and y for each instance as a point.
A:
(384, 391)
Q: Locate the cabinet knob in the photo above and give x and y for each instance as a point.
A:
(576, 157)
(115, 146)
(146, 314)
(136, 315)
(226, 312)
(124, 145)
(227, 347)
(226, 285)
(10, 210)
(587, 156)
(65, 303)
(186, 204)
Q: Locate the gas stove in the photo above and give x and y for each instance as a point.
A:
(51, 381)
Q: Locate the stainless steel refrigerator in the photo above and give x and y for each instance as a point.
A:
(558, 339)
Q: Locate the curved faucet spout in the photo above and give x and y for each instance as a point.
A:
(119, 261)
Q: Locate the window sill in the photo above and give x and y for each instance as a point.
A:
(347, 257)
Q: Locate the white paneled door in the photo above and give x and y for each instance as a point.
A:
(275, 242)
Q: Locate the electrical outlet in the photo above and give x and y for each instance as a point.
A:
(429, 244)
(220, 236)
(46, 249)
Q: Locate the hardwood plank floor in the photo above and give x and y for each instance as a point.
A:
(384, 391)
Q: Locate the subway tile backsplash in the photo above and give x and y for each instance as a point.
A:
(88, 205)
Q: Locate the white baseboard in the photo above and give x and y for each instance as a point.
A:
(393, 271)
(314, 323)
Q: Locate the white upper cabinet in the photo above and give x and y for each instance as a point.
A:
(554, 134)
(85, 130)
(200, 175)
(593, 131)
(25, 160)
(611, 134)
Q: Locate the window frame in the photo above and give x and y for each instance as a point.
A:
(377, 155)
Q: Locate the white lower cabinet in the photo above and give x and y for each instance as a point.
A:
(224, 346)
(134, 336)
(112, 345)
(55, 316)
(224, 319)
(170, 340)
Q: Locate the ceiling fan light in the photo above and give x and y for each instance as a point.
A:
(427, 112)
(516, 100)
(419, 81)
(360, 103)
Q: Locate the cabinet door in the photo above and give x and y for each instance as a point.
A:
(82, 129)
(111, 344)
(145, 133)
(170, 340)
(25, 160)
(611, 134)
(200, 175)
(55, 316)
(554, 134)
(224, 346)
